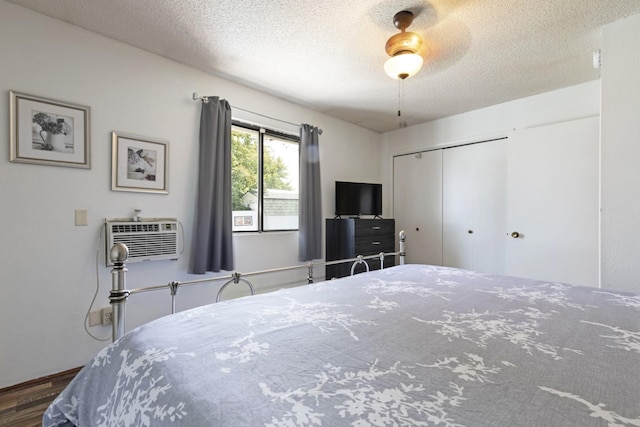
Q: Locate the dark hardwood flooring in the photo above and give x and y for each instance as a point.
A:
(24, 404)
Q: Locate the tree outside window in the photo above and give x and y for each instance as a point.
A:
(264, 179)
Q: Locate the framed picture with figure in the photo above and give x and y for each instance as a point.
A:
(49, 132)
(139, 164)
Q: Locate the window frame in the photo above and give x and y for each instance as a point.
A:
(262, 132)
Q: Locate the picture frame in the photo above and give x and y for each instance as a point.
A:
(139, 164)
(46, 131)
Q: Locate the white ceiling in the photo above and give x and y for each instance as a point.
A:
(329, 54)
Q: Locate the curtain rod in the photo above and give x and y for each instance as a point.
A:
(205, 99)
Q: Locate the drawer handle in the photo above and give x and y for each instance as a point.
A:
(376, 228)
(375, 243)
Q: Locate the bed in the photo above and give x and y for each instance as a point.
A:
(411, 345)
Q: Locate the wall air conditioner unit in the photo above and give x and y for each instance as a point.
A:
(146, 240)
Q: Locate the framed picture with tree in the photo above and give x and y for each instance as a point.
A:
(49, 132)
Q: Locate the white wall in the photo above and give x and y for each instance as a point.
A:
(48, 264)
(561, 105)
(620, 156)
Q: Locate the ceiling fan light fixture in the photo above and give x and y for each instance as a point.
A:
(403, 65)
(403, 49)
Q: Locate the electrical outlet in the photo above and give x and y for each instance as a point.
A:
(107, 315)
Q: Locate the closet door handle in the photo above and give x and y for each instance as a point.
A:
(515, 234)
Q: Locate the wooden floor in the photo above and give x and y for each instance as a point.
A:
(23, 404)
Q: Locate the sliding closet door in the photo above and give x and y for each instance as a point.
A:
(553, 202)
(457, 207)
(490, 206)
(474, 206)
(417, 204)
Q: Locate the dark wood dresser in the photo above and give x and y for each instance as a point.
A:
(350, 237)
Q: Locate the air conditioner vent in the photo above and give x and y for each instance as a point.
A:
(135, 227)
(147, 241)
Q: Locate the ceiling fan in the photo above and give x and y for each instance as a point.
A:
(403, 49)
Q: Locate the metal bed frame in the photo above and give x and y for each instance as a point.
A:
(119, 293)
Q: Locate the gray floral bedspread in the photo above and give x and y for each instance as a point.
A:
(411, 345)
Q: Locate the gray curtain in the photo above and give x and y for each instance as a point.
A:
(310, 227)
(213, 236)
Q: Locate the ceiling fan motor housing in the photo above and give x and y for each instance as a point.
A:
(403, 42)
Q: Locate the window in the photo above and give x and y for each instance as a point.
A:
(264, 179)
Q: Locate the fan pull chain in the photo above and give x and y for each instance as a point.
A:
(400, 84)
(401, 123)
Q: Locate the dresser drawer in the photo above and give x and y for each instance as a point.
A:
(374, 227)
(368, 245)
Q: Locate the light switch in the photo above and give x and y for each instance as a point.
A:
(81, 217)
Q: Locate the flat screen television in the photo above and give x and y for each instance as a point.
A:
(358, 198)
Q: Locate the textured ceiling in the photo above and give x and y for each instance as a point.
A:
(329, 54)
